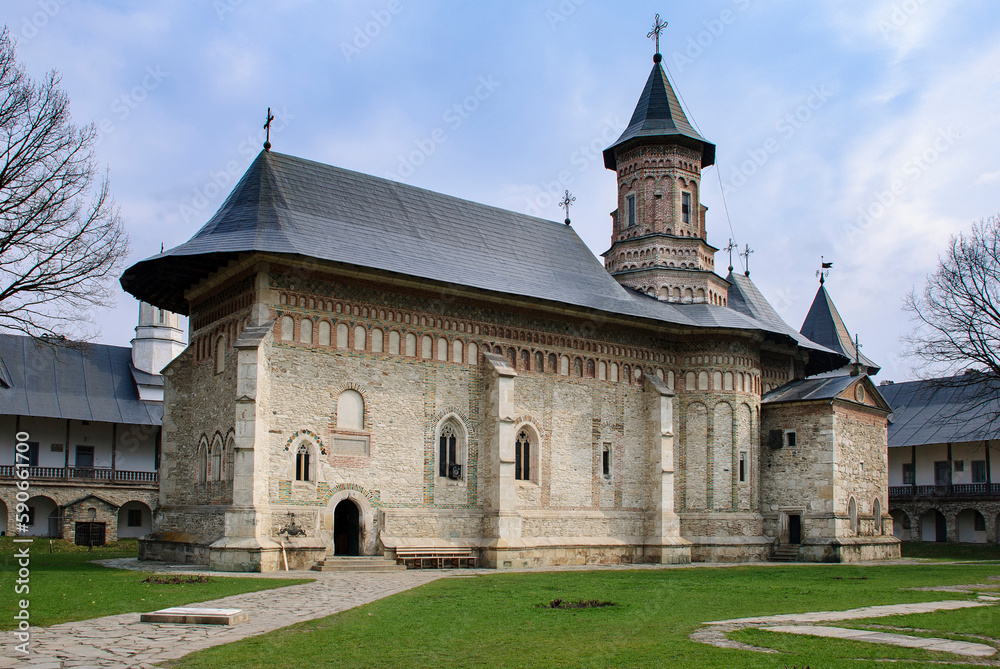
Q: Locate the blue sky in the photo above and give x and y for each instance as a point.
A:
(865, 132)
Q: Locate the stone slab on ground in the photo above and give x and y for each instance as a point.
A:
(186, 615)
(965, 648)
(855, 614)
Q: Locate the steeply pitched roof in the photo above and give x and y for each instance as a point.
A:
(942, 411)
(824, 325)
(826, 388)
(87, 382)
(659, 114)
(296, 207)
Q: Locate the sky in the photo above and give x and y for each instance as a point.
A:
(865, 132)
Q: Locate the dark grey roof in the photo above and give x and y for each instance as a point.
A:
(291, 206)
(826, 388)
(659, 114)
(824, 325)
(144, 378)
(941, 411)
(80, 382)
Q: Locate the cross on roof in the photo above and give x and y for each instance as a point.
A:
(267, 127)
(658, 27)
(745, 254)
(732, 247)
(566, 203)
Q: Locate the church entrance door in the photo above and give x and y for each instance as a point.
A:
(795, 529)
(346, 528)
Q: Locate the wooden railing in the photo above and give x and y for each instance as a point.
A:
(83, 474)
(991, 490)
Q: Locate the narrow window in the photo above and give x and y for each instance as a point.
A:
(743, 467)
(630, 201)
(448, 453)
(302, 464)
(160, 315)
(606, 461)
(979, 471)
(686, 207)
(908, 473)
(522, 457)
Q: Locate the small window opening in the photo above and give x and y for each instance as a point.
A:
(522, 457)
(790, 439)
(302, 464)
(630, 200)
(606, 461)
(686, 207)
(743, 467)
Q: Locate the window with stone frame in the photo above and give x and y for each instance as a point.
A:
(229, 459)
(202, 458)
(215, 461)
(606, 461)
(303, 469)
(524, 454)
(451, 449)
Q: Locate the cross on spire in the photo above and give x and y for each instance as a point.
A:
(658, 27)
(745, 254)
(566, 203)
(824, 270)
(267, 127)
(732, 247)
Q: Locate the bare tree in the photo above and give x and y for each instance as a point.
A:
(61, 237)
(958, 321)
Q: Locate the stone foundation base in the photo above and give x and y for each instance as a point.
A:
(849, 549)
(730, 549)
(235, 555)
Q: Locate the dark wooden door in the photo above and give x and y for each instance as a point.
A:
(346, 529)
(795, 529)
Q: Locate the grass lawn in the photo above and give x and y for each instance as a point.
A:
(64, 586)
(498, 620)
(943, 551)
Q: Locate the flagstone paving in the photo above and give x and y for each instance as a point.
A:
(945, 645)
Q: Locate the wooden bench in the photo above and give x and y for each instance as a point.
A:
(420, 557)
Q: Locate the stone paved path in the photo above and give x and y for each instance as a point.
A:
(945, 645)
(716, 632)
(122, 641)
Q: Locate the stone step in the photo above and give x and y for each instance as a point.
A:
(365, 563)
(786, 553)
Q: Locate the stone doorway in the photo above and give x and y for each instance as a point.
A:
(346, 528)
(795, 529)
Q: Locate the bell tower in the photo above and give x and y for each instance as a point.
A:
(658, 241)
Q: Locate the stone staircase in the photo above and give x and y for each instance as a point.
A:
(785, 553)
(372, 563)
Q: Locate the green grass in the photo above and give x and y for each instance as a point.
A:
(498, 620)
(65, 586)
(943, 551)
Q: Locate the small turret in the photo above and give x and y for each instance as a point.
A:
(158, 339)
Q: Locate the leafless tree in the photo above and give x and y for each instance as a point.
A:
(61, 236)
(958, 320)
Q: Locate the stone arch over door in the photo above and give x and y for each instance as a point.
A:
(902, 525)
(367, 531)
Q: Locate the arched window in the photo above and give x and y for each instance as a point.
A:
(602, 371)
(229, 459)
(564, 366)
(202, 457)
(306, 331)
(287, 328)
(220, 354)
(350, 411)
(473, 353)
(342, 335)
(451, 450)
(525, 360)
(614, 372)
(411, 345)
(577, 367)
(539, 361)
(877, 513)
(552, 363)
(377, 340)
(215, 463)
(302, 468)
(393, 342)
(852, 512)
(457, 352)
(426, 347)
(324, 333)
(442, 350)
(522, 457)
(360, 335)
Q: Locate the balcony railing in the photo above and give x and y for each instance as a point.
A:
(951, 490)
(83, 474)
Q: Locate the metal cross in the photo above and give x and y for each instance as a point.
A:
(658, 27)
(857, 350)
(745, 254)
(267, 127)
(732, 247)
(566, 203)
(824, 270)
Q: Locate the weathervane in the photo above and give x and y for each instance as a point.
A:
(566, 203)
(824, 270)
(658, 27)
(267, 127)
(745, 254)
(732, 247)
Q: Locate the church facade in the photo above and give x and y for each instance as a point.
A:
(384, 367)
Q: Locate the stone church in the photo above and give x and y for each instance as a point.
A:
(381, 367)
